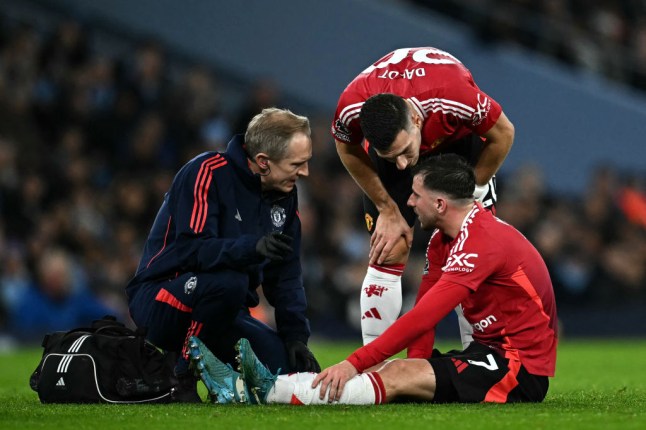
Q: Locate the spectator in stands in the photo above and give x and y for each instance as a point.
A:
(57, 300)
(264, 93)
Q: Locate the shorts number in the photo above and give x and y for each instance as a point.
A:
(490, 364)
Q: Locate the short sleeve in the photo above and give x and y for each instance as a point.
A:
(461, 104)
(345, 126)
(480, 112)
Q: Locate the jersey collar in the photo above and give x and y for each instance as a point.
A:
(468, 219)
(418, 107)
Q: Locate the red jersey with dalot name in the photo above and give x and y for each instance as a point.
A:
(437, 84)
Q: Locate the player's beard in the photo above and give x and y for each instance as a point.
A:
(428, 222)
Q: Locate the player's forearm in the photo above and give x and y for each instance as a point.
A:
(490, 160)
(500, 138)
(423, 318)
(358, 164)
(422, 346)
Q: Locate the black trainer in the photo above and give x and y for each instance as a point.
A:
(186, 389)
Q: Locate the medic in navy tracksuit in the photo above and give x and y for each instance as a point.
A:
(200, 268)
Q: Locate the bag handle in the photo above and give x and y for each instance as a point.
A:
(109, 325)
(115, 330)
(107, 321)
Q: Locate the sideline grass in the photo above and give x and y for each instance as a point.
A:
(599, 384)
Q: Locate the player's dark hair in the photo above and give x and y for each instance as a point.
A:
(449, 174)
(382, 117)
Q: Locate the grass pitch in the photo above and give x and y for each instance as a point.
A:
(599, 384)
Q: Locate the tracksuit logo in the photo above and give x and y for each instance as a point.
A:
(190, 285)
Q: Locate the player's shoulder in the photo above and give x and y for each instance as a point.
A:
(481, 226)
(484, 220)
(497, 233)
(355, 92)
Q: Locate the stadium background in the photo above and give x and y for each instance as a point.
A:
(101, 102)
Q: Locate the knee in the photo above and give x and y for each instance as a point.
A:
(226, 286)
(393, 374)
(399, 253)
(408, 377)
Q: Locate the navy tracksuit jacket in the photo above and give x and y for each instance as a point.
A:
(199, 270)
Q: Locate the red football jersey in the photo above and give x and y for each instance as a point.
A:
(504, 288)
(437, 84)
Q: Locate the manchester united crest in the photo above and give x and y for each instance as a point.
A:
(190, 285)
(436, 143)
(278, 216)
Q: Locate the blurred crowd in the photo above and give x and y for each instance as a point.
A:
(605, 37)
(90, 141)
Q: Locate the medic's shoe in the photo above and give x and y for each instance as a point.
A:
(223, 383)
(257, 377)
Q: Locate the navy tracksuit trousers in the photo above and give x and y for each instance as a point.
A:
(210, 306)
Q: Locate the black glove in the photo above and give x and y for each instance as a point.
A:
(301, 358)
(275, 246)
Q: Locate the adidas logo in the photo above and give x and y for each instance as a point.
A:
(371, 313)
(237, 215)
(459, 364)
(60, 382)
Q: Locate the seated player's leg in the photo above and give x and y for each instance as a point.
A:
(477, 374)
(296, 389)
(381, 291)
(410, 378)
